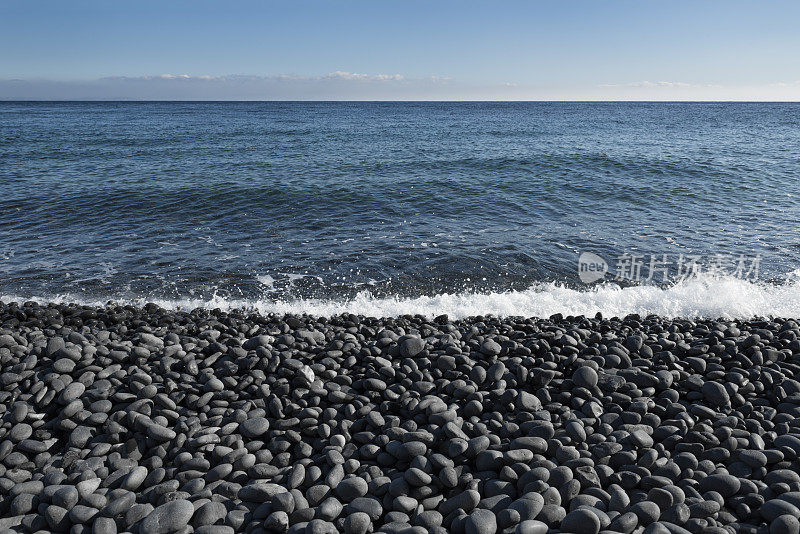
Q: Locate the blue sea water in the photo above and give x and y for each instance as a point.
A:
(386, 208)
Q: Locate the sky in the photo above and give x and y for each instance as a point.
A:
(392, 50)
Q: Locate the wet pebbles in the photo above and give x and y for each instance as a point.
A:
(142, 420)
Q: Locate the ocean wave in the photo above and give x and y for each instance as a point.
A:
(704, 296)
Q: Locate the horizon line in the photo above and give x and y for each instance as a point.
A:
(399, 101)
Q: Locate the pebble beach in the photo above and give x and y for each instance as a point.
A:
(147, 420)
(399, 268)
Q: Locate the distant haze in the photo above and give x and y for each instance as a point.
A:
(412, 50)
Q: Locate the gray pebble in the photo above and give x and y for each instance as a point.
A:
(785, 524)
(585, 377)
(357, 523)
(581, 521)
(169, 517)
(481, 522)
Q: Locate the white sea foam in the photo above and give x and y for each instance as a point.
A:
(266, 280)
(699, 297)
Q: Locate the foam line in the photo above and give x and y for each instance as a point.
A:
(701, 297)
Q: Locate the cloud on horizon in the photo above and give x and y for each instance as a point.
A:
(336, 75)
(345, 85)
(646, 83)
(335, 85)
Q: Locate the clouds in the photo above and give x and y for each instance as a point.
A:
(700, 91)
(335, 85)
(795, 83)
(348, 85)
(662, 84)
(336, 75)
(341, 75)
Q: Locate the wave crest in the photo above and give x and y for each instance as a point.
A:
(711, 297)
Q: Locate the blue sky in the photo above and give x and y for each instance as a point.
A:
(304, 49)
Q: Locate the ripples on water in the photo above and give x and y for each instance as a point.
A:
(267, 203)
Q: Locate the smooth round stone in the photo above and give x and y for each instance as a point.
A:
(428, 519)
(72, 392)
(296, 476)
(791, 497)
(255, 427)
(529, 402)
(319, 526)
(20, 431)
(169, 517)
(790, 441)
(219, 472)
(624, 522)
(357, 523)
(785, 524)
(647, 512)
(481, 521)
(214, 529)
(104, 525)
(663, 498)
(411, 346)
(63, 365)
(641, 439)
(529, 507)
(496, 371)
(23, 504)
(88, 486)
(276, 522)
(716, 394)
(754, 459)
(19, 411)
(581, 521)
(404, 504)
(507, 518)
(677, 514)
(775, 508)
(82, 515)
(329, 509)
(371, 507)
(66, 497)
(135, 478)
(209, 514)
(448, 477)
(477, 445)
(258, 341)
(782, 476)
(56, 517)
(658, 528)
(704, 509)
(491, 347)
(585, 377)
(575, 431)
(535, 444)
(417, 477)
(160, 433)
(235, 519)
(284, 502)
(551, 514)
(531, 526)
(351, 488)
(214, 384)
(725, 485)
(118, 506)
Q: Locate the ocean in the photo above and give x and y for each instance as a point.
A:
(402, 208)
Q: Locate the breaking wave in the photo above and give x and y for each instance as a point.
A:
(710, 297)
